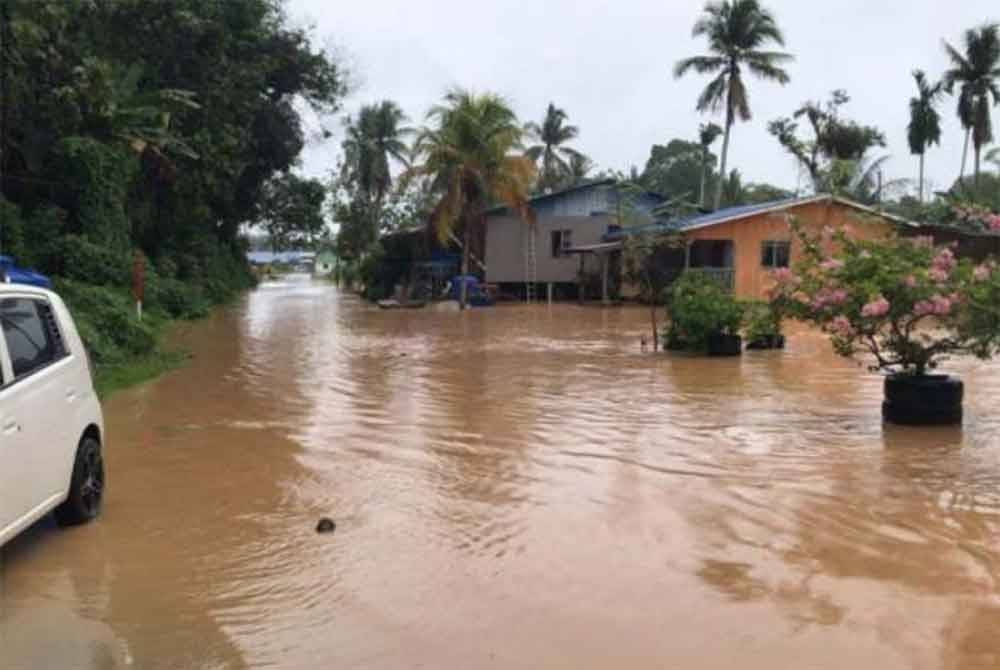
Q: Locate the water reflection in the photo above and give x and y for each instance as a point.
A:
(517, 487)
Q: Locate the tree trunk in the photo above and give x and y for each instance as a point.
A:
(704, 166)
(725, 153)
(965, 153)
(975, 180)
(463, 287)
(920, 196)
(652, 317)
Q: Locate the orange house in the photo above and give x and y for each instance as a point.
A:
(742, 246)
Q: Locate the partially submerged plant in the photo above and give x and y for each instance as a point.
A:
(762, 320)
(699, 308)
(903, 301)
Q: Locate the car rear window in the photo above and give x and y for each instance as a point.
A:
(33, 339)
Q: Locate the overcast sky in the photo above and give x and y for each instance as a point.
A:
(608, 64)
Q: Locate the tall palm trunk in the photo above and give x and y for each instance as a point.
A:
(965, 154)
(975, 180)
(463, 288)
(704, 168)
(725, 151)
(920, 197)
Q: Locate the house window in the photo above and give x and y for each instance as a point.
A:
(775, 254)
(561, 240)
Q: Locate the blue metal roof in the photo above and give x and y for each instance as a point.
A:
(709, 219)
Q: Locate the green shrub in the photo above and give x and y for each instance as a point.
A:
(762, 320)
(106, 320)
(85, 261)
(698, 308)
(177, 299)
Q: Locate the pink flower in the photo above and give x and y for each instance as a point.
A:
(841, 327)
(876, 308)
(982, 272)
(786, 276)
(993, 221)
(942, 305)
(938, 305)
(832, 264)
(865, 254)
(945, 260)
(910, 281)
(937, 274)
(827, 296)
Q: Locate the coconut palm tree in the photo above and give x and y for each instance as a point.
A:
(373, 142)
(976, 73)
(551, 136)
(471, 151)
(925, 122)
(736, 31)
(707, 134)
(580, 167)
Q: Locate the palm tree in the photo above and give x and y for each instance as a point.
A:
(736, 31)
(550, 136)
(925, 122)
(707, 134)
(469, 151)
(977, 74)
(373, 142)
(580, 167)
(993, 156)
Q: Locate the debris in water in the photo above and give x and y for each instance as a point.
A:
(326, 525)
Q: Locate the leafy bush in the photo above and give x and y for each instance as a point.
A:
(903, 301)
(762, 320)
(105, 318)
(700, 307)
(84, 261)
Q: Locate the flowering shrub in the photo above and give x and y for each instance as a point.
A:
(974, 217)
(903, 301)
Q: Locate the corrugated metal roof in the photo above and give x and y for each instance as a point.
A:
(743, 211)
(542, 197)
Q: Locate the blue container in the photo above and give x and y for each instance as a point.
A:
(14, 275)
(474, 292)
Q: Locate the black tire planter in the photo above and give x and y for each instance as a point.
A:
(924, 400)
(767, 342)
(725, 345)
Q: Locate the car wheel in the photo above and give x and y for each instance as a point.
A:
(86, 488)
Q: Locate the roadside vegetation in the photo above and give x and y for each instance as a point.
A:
(154, 131)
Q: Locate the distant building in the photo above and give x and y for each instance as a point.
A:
(527, 259)
(742, 246)
(280, 257)
(326, 263)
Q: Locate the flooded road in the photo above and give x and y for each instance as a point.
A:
(517, 487)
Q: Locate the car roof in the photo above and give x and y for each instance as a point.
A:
(22, 289)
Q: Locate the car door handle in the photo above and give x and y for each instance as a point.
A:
(70, 395)
(10, 427)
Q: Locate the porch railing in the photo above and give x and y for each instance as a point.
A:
(725, 276)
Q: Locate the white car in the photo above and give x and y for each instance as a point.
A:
(51, 426)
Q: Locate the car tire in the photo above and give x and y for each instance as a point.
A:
(86, 487)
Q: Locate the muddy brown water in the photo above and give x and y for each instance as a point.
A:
(516, 487)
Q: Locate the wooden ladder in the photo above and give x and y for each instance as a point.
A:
(530, 265)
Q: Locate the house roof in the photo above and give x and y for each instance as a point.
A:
(544, 197)
(736, 213)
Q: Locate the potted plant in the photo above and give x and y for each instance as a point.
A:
(763, 326)
(903, 303)
(704, 316)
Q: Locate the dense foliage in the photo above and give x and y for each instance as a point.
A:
(152, 126)
(700, 307)
(902, 301)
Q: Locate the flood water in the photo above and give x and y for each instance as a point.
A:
(515, 487)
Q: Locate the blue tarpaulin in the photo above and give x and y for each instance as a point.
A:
(14, 275)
